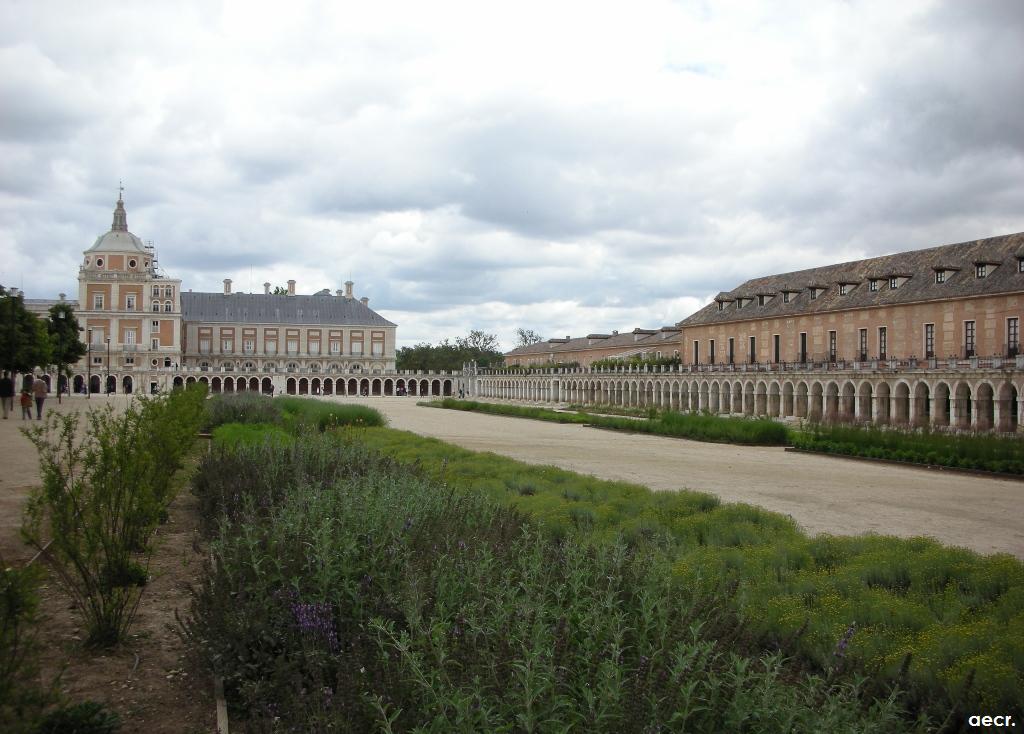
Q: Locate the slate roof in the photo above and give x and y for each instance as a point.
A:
(957, 260)
(639, 338)
(260, 308)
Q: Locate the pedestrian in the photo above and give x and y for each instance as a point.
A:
(40, 390)
(26, 405)
(7, 393)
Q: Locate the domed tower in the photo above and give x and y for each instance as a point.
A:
(131, 314)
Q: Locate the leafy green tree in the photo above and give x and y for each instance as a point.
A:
(66, 347)
(24, 339)
(279, 290)
(526, 337)
(477, 345)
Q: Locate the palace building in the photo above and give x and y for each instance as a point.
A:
(927, 337)
(144, 332)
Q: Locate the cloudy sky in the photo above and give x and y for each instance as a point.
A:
(563, 166)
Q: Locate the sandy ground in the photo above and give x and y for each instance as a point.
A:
(146, 680)
(823, 494)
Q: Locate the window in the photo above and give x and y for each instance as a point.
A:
(883, 341)
(292, 346)
(753, 349)
(132, 263)
(776, 348)
(227, 345)
(832, 351)
(761, 300)
(1012, 337)
(129, 336)
(129, 360)
(156, 291)
(929, 341)
(696, 352)
(1020, 265)
(99, 262)
(168, 292)
(314, 347)
(167, 306)
(732, 350)
(969, 345)
(97, 302)
(156, 324)
(721, 305)
(97, 337)
(894, 283)
(803, 346)
(248, 346)
(940, 276)
(981, 270)
(711, 352)
(335, 346)
(814, 294)
(129, 302)
(873, 285)
(863, 348)
(271, 347)
(739, 303)
(378, 349)
(156, 306)
(204, 346)
(97, 360)
(357, 349)
(155, 343)
(785, 296)
(843, 289)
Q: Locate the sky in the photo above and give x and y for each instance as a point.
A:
(567, 167)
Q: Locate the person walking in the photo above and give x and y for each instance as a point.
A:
(26, 405)
(7, 393)
(40, 390)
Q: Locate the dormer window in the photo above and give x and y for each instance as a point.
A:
(721, 305)
(894, 283)
(761, 300)
(739, 303)
(981, 270)
(785, 296)
(1020, 264)
(814, 294)
(940, 276)
(873, 285)
(844, 288)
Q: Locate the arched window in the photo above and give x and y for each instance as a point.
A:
(156, 291)
(156, 306)
(167, 306)
(204, 365)
(292, 367)
(250, 367)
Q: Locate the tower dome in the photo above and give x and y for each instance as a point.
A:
(118, 239)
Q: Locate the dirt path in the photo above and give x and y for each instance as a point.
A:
(823, 494)
(145, 680)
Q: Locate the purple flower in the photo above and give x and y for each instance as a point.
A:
(315, 620)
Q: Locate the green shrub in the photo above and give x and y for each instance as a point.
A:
(87, 717)
(300, 413)
(240, 407)
(22, 698)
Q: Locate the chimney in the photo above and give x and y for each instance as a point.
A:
(62, 296)
(348, 289)
(567, 337)
(266, 289)
(227, 286)
(338, 293)
(365, 301)
(291, 287)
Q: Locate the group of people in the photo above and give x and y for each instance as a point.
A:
(36, 389)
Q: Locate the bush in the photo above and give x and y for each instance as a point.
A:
(104, 490)
(22, 699)
(302, 413)
(241, 407)
(87, 717)
(362, 596)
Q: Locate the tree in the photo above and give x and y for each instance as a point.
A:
(477, 346)
(24, 339)
(279, 290)
(64, 340)
(526, 337)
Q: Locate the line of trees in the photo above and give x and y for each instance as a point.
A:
(28, 342)
(477, 345)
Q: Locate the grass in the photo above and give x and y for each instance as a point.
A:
(695, 426)
(945, 623)
(986, 452)
(349, 591)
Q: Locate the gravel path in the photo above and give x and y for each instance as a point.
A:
(823, 494)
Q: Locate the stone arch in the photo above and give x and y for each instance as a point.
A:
(241, 384)
(941, 405)
(831, 401)
(847, 401)
(376, 387)
(704, 396)
(816, 408)
(761, 398)
(446, 388)
(865, 402)
(774, 400)
(1008, 407)
(788, 407)
(215, 384)
(268, 386)
(328, 386)
(178, 382)
(435, 387)
(986, 407)
(111, 386)
(128, 386)
(389, 387)
(303, 386)
(190, 381)
(364, 386)
(726, 397)
(800, 408)
(205, 380)
(79, 384)
(716, 398)
(901, 403)
(353, 386)
(921, 408)
(883, 403)
(229, 384)
(748, 398)
(290, 386)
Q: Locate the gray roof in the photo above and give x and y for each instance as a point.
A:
(253, 308)
(118, 239)
(918, 265)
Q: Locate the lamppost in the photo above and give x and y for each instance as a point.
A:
(60, 351)
(88, 363)
(108, 366)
